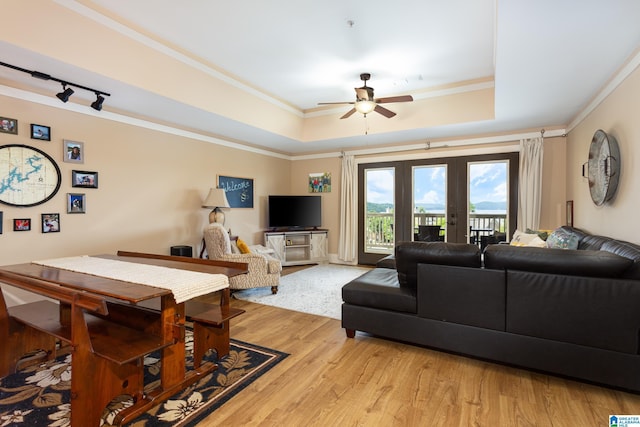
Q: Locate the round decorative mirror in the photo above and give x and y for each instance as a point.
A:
(603, 167)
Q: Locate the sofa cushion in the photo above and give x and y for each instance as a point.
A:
(595, 312)
(627, 250)
(592, 242)
(379, 288)
(410, 254)
(387, 262)
(556, 261)
(463, 295)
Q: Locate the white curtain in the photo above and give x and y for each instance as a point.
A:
(347, 240)
(530, 183)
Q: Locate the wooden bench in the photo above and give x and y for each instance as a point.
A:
(210, 328)
(210, 325)
(112, 341)
(107, 358)
(210, 321)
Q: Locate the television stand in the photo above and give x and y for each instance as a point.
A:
(298, 247)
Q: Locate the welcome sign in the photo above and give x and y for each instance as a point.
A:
(239, 191)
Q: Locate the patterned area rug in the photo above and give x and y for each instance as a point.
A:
(39, 395)
(315, 290)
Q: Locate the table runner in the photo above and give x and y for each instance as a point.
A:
(184, 284)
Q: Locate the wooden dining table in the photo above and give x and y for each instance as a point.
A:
(109, 330)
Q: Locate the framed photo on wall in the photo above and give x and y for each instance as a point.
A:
(239, 191)
(84, 179)
(40, 132)
(22, 224)
(76, 203)
(320, 182)
(73, 151)
(50, 223)
(1, 221)
(8, 125)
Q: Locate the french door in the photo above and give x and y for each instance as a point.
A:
(456, 199)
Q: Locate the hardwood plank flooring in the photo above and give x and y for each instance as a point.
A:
(331, 380)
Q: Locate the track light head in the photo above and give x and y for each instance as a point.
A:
(97, 104)
(65, 94)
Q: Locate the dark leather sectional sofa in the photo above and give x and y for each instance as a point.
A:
(574, 313)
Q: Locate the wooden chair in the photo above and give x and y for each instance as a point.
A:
(428, 233)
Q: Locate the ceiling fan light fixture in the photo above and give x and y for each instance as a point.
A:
(366, 102)
(365, 107)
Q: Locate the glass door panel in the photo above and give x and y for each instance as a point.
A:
(429, 204)
(457, 199)
(488, 201)
(380, 209)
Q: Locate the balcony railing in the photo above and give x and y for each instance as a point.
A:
(379, 228)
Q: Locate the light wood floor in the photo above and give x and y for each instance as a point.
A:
(330, 380)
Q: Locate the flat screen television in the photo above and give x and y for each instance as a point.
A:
(295, 212)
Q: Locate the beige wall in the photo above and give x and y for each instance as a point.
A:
(553, 212)
(618, 116)
(151, 186)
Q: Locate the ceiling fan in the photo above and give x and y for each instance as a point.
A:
(366, 103)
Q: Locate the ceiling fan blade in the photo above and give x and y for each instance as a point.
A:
(387, 113)
(335, 103)
(401, 98)
(349, 113)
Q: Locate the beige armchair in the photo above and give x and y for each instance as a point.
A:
(263, 269)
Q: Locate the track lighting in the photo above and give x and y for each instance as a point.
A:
(66, 91)
(65, 94)
(97, 104)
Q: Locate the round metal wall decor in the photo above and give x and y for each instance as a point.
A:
(604, 167)
(28, 176)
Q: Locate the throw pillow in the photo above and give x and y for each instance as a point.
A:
(522, 239)
(234, 247)
(537, 242)
(543, 234)
(244, 249)
(561, 239)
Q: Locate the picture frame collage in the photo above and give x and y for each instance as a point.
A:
(72, 152)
